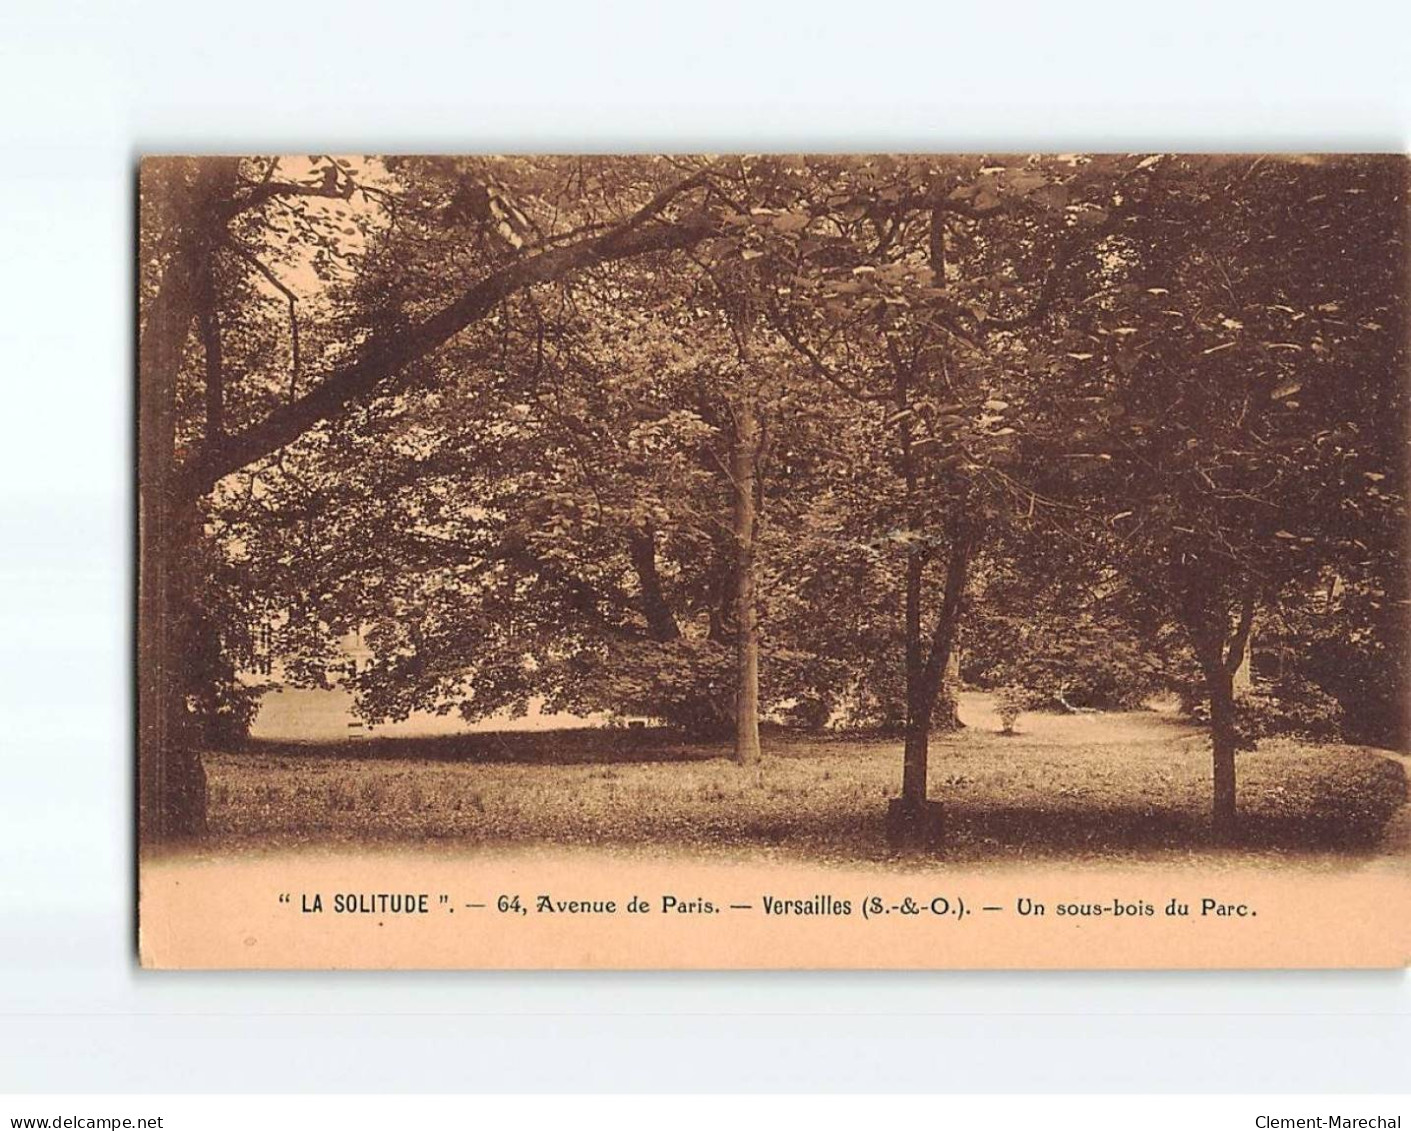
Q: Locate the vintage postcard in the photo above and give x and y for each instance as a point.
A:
(773, 561)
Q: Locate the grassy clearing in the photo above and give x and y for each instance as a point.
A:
(1062, 787)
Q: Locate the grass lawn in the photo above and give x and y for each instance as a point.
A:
(1102, 786)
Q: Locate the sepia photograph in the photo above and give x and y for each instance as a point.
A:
(773, 561)
(771, 564)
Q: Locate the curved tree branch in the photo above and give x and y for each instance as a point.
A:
(383, 358)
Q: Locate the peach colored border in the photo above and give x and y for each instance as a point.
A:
(225, 912)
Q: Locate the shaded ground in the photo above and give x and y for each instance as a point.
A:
(1121, 785)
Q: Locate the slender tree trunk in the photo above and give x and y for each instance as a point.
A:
(705, 713)
(1220, 656)
(661, 623)
(913, 819)
(743, 472)
(1224, 739)
(946, 701)
(918, 717)
(1244, 672)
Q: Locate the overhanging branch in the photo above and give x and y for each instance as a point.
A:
(385, 358)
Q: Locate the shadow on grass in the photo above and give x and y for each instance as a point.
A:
(1019, 831)
(1307, 804)
(1132, 829)
(577, 746)
(1342, 821)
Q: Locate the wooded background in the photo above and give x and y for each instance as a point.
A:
(706, 439)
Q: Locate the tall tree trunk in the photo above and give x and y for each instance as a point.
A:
(743, 472)
(171, 779)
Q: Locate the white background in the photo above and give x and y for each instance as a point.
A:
(84, 88)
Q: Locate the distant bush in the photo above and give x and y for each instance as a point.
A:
(1010, 702)
(1065, 663)
(1369, 673)
(807, 712)
(1290, 706)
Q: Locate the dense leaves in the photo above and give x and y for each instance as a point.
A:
(583, 431)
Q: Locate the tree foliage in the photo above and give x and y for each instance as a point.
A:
(596, 431)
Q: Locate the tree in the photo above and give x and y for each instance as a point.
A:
(191, 210)
(194, 212)
(907, 294)
(1248, 368)
(706, 439)
(176, 248)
